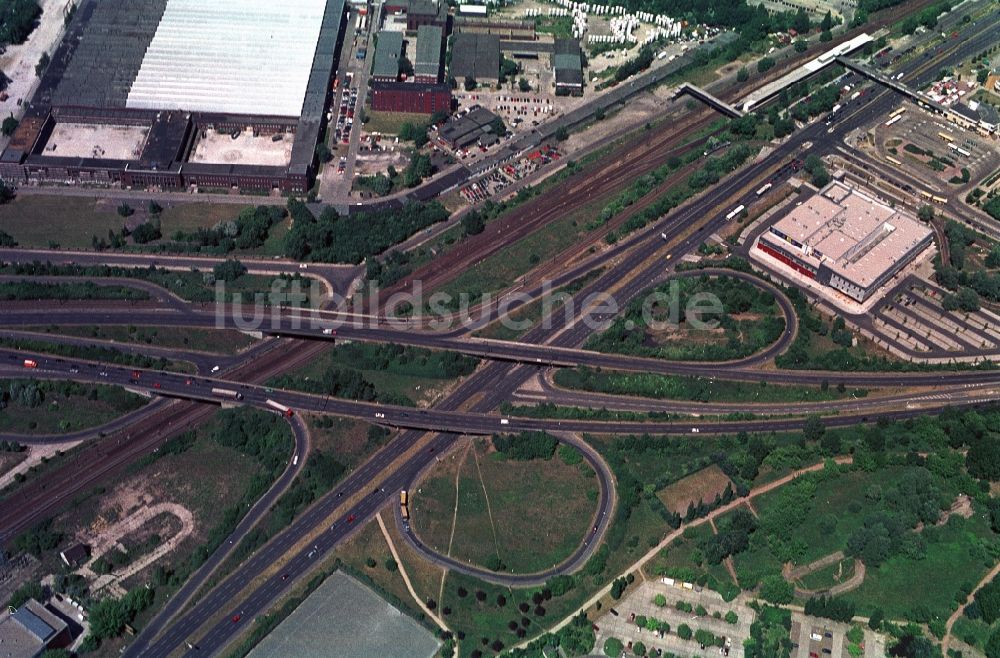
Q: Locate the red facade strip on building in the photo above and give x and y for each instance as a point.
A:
(411, 97)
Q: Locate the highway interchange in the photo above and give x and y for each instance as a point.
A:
(633, 266)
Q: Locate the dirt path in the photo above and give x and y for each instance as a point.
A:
(958, 613)
(110, 537)
(454, 516)
(489, 510)
(852, 583)
(406, 578)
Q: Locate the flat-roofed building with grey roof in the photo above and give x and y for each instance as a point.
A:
(477, 56)
(30, 630)
(426, 12)
(427, 61)
(846, 239)
(388, 50)
(567, 62)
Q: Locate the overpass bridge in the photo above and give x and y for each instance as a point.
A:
(895, 85)
(708, 99)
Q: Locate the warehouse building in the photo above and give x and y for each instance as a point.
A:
(464, 131)
(426, 12)
(388, 50)
(427, 64)
(31, 630)
(847, 240)
(567, 62)
(170, 76)
(416, 97)
(505, 29)
(477, 56)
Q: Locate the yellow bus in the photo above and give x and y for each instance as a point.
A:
(939, 199)
(896, 113)
(946, 137)
(894, 161)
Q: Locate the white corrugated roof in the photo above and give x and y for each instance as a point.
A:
(230, 56)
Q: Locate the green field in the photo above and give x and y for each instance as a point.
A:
(43, 407)
(504, 517)
(958, 555)
(223, 341)
(35, 220)
(388, 373)
(745, 320)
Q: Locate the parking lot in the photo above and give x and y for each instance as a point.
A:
(639, 602)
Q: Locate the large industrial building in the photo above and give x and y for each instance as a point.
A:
(183, 93)
(427, 67)
(388, 50)
(476, 56)
(847, 240)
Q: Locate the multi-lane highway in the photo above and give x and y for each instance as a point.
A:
(639, 263)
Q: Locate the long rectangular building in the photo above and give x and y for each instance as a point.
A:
(846, 240)
(388, 50)
(416, 97)
(170, 76)
(427, 64)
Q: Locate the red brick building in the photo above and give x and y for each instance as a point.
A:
(411, 97)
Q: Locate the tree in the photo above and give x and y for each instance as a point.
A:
(800, 45)
(43, 63)
(684, 632)
(472, 223)
(7, 240)
(813, 429)
(993, 645)
(764, 64)
(826, 35)
(470, 83)
(925, 213)
(562, 134)
(639, 649)
(875, 620)
(323, 152)
(659, 600)
(125, 210)
(801, 21)
(743, 74)
(613, 647)
(229, 270)
(29, 590)
(523, 85)
(827, 23)
(9, 125)
(777, 590)
(731, 617)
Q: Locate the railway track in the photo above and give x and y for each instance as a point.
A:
(37, 499)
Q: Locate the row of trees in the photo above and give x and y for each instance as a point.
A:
(335, 239)
(526, 445)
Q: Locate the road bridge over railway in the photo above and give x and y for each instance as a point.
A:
(890, 83)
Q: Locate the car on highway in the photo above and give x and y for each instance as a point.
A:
(236, 619)
(350, 519)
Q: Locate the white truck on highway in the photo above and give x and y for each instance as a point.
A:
(227, 393)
